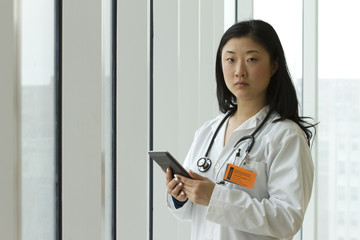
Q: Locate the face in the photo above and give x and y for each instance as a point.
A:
(247, 69)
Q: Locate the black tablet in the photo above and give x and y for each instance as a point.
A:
(165, 160)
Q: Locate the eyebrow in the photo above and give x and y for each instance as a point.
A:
(253, 51)
(249, 51)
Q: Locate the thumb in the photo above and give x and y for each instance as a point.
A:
(196, 176)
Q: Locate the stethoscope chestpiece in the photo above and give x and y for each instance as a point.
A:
(204, 164)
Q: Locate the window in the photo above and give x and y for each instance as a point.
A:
(292, 43)
(338, 132)
(229, 13)
(37, 120)
(28, 179)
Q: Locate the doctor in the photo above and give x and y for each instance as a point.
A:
(251, 167)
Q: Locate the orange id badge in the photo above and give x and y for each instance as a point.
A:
(240, 176)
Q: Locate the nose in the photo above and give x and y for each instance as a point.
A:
(240, 70)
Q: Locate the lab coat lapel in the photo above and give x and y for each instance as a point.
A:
(245, 129)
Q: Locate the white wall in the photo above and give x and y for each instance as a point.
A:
(82, 119)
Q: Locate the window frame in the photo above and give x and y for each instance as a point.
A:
(10, 140)
(310, 101)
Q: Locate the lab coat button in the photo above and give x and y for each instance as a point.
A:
(217, 165)
(210, 236)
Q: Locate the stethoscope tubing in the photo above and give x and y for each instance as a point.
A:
(206, 162)
(216, 132)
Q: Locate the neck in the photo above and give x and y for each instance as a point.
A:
(247, 110)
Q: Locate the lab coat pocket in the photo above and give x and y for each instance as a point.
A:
(259, 187)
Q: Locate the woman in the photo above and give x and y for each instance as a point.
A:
(245, 191)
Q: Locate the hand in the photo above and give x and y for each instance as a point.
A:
(174, 186)
(199, 189)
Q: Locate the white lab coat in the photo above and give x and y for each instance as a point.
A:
(274, 208)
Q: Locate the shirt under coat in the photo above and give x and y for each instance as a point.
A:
(275, 207)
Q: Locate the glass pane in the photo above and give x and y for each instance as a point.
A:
(289, 31)
(229, 13)
(108, 104)
(339, 111)
(37, 79)
(290, 34)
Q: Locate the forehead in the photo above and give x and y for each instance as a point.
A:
(243, 45)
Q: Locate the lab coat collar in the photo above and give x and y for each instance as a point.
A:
(261, 115)
(218, 121)
(255, 120)
(251, 123)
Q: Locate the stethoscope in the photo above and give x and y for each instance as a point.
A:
(204, 163)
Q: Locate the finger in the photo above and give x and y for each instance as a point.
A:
(188, 190)
(200, 192)
(185, 180)
(182, 197)
(186, 193)
(176, 192)
(196, 176)
(169, 175)
(174, 186)
(171, 185)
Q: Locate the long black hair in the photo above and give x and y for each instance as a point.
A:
(281, 95)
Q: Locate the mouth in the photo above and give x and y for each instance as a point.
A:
(241, 84)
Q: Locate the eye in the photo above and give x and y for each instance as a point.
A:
(251, 59)
(230, 60)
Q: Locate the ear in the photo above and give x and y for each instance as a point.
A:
(274, 67)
